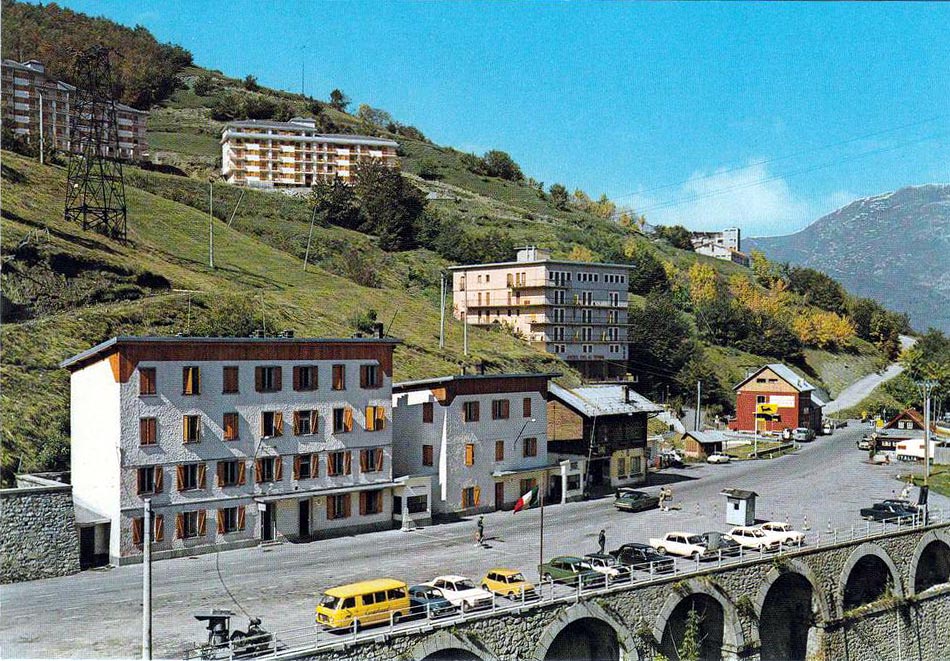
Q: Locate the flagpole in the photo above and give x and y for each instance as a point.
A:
(541, 561)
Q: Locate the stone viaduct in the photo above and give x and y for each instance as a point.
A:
(882, 597)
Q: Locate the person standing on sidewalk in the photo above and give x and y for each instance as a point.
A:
(602, 540)
(480, 532)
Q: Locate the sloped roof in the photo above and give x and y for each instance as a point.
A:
(709, 436)
(601, 400)
(785, 373)
(911, 413)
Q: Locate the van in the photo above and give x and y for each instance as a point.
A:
(361, 604)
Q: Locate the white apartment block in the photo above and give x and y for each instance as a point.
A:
(234, 440)
(482, 439)
(576, 310)
(266, 154)
(33, 101)
(725, 245)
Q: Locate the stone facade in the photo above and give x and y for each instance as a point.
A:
(38, 537)
(900, 624)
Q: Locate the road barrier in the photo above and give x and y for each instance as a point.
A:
(293, 642)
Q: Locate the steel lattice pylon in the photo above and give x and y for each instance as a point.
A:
(95, 189)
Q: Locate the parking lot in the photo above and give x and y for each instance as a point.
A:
(97, 613)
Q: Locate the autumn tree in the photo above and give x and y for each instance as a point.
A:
(703, 283)
(823, 329)
(581, 254)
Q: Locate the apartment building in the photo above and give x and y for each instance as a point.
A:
(32, 103)
(266, 154)
(725, 245)
(576, 310)
(235, 441)
(481, 438)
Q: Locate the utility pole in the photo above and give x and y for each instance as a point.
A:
(465, 318)
(147, 581)
(699, 399)
(306, 256)
(211, 224)
(42, 139)
(442, 310)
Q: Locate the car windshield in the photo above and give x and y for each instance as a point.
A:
(695, 539)
(329, 602)
(464, 585)
(516, 578)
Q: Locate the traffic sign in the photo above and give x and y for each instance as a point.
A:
(771, 409)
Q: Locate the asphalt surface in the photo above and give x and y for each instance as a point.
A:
(98, 613)
(857, 391)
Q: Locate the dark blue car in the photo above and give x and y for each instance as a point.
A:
(425, 599)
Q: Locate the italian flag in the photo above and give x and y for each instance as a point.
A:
(527, 500)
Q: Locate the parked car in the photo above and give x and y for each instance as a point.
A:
(430, 601)
(508, 583)
(685, 544)
(607, 565)
(718, 458)
(753, 538)
(864, 443)
(827, 429)
(641, 557)
(803, 435)
(461, 592)
(630, 500)
(783, 532)
(570, 569)
(717, 542)
(890, 511)
(364, 603)
(671, 458)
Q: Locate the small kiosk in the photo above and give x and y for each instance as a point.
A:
(740, 507)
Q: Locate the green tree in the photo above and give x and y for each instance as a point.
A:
(661, 343)
(259, 107)
(499, 164)
(559, 196)
(339, 100)
(817, 288)
(204, 85)
(428, 168)
(250, 83)
(226, 108)
(646, 274)
(389, 206)
(374, 116)
(676, 235)
(336, 202)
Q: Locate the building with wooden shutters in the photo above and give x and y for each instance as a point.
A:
(797, 401)
(234, 440)
(481, 438)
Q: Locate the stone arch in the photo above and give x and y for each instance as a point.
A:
(786, 620)
(938, 536)
(797, 567)
(586, 610)
(442, 644)
(733, 639)
(861, 553)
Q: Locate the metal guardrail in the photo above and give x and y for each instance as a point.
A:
(314, 638)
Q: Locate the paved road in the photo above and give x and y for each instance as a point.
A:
(98, 613)
(857, 391)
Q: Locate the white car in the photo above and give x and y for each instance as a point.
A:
(462, 593)
(784, 533)
(686, 544)
(753, 538)
(718, 458)
(605, 564)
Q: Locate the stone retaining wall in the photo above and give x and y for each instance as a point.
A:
(38, 537)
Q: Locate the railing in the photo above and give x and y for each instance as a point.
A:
(417, 619)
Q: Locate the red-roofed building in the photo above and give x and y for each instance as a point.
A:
(799, 403)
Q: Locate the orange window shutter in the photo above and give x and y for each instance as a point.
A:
(331, 466)
(370, 418)
(159, 479)
(380, 417)
(184, 429)
(258, 476)
(278, 424)
(330, 510)
(187, 383)
(219, 471)
(159, 528)
(347, 419)
(202, 475)
(220, 516)
(297, 468)
(478, 496)
(180, 476)
(277, 379)
(314, 465)
(313, 422)
(278, 468)
(347, 504)
(242, 470)
(202, 522)
(347, 463)
(364, 461)
(362, 502)
(242, 517)
(296, 423)
(136, 531)
(379, 459)
(179, 525)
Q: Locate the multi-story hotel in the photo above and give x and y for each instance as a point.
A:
(234, 440)
(33, 101)
(576, 310)
(294, 154)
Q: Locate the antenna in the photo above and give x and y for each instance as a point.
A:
(95, 188)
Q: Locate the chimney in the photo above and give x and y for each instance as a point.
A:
(378, 330)
(626, 394)
(481, 368)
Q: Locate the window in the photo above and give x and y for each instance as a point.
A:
(427, 412)
(470, 411)
(469, 454)
(269, 469)
(415, 504)
(190, 476)
(267, 379)
(470, 497)
(760, 399)
(190, 524)
(526, 407)
(147, 381)
(306, 466)
(230, 378)
(150, 479)
(527, 485)
(621, 467)
(272, 424)
(231, 473)
(191, 429)
(342, 420)
(371, 460)
(158, 529)
(338, 507)
(338, 463)
(499, 409)
(190, 381)
(760, 380)
(370, 376)
(231, 519)
(148, 431)
(375, 418)
(426, 455)
(339, 377)
(499, 450)
(371, 502)
(530, 447)
(634, 466)
(573, 482)
(305, 377)
(305, 423)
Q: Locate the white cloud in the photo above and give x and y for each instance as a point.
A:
(750, 198)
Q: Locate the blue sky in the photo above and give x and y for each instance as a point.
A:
(764, 116)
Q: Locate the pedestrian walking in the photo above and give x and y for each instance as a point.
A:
(480, 532)
(602, 539)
